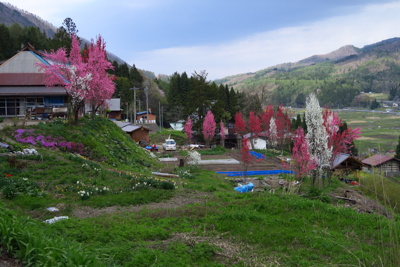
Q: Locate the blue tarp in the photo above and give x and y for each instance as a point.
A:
(245, 188)
(256, 172)
(257, 155)
(149, 147)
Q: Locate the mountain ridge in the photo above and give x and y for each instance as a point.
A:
(338, 77)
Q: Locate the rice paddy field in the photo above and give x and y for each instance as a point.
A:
(378, 130)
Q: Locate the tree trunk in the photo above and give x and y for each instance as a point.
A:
(76, 112)
(251, 141)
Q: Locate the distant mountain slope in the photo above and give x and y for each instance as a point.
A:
(10, 14)
(338, 77)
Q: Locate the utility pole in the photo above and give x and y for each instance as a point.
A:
(147, 102)
(127, 108)
(159, 114)
(134, 103)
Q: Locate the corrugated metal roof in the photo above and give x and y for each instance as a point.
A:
(339, 159)
(22, 78)
(122, 125)
(31, 90)
(23, 62)
(132, 128)
(377, 159)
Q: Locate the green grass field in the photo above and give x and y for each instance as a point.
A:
(132, 218)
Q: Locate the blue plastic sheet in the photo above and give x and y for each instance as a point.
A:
(256, 173)
(245, 188)
(257, 155)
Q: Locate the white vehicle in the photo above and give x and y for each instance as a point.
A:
(169, 145)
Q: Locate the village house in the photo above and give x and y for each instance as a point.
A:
(23, 90)
(141, 117)
(384, 164)
(114, 105)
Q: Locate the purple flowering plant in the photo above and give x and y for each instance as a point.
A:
(38, 139)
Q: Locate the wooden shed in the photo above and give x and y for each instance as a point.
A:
(382, 163)
(137, 132)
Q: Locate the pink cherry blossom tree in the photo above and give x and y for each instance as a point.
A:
(188, 129)
(266, 118)
(339, 142)
(70, 73)
(240, 124)
(102, 85)
(283, 125)
(209, 126)
(302, 160)
(254, 127)
(222, 132)
(246, 157)
(84, 79)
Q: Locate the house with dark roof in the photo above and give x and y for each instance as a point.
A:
(382, 163)
(344, 161)
(23, 89)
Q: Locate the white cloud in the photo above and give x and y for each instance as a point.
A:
(371, 24)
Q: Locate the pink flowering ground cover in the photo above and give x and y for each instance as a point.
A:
(38, 139)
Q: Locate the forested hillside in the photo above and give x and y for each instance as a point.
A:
(338, 77)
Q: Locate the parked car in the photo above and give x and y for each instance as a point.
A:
(169, 144)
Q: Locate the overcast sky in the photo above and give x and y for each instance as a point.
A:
(223, 37)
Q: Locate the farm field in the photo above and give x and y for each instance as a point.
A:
(378, 130)
(133, 218)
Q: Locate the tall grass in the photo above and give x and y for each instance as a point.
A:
(34, 246)
(387, 192)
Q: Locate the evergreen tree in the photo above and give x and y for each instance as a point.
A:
(173, 95)
(184, 89)
(135, 76)
(63, 36)
(304, 124)
(116, 69)
(233, 107)
(124, 70)
(392, 92)
(6, 50)
(200, 98)
(374, 104)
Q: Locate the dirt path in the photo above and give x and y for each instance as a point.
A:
(182, 198)
(6, 261)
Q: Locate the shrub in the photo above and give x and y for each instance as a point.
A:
(167, 185)
(10, 192)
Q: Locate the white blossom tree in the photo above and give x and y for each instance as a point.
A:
(272, 132)
(317, 136)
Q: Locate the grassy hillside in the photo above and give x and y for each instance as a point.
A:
(121, 215)
(340, 77)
